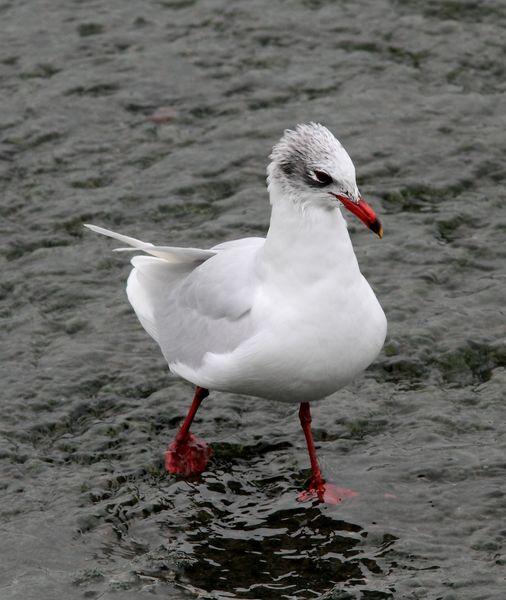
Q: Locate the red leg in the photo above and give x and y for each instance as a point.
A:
(318, 488)
(188, 454)
(305, 420)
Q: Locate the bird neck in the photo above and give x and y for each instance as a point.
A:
(308, 238)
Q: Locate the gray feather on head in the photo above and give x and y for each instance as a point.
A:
(308, 148)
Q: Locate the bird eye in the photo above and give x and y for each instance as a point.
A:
(322, 178)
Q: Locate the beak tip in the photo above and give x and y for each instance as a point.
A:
(363, 211)
(377, 228)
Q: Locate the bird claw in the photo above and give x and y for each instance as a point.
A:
(187, 456)
(326, 492)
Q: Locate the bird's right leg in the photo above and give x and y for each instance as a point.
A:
(188, 454)
(318, 488)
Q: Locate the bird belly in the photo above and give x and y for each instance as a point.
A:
(297, 359)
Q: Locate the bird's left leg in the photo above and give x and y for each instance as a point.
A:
(318, 488)
(188, 454)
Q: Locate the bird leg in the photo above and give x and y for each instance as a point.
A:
(305, 420)
(318, 488)
(188, 454)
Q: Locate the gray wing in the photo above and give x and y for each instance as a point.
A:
(210, 309)
(193, 301)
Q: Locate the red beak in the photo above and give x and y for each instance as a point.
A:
(364, 212)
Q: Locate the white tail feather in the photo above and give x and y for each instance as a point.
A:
(168, 253)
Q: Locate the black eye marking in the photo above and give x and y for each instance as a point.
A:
(323, 179)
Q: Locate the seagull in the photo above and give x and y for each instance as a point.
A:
(288, 317)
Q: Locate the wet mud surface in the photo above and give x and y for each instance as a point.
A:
(156, 119)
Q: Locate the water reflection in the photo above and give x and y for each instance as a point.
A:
(246, 545)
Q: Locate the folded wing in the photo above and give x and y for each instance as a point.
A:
(193, 301)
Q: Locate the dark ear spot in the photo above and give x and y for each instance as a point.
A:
(287, 168)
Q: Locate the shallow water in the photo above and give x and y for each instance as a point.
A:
(415, 91)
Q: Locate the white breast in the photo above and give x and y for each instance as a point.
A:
(306, 351)
(318, 322)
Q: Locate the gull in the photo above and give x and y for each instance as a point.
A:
(288, 317)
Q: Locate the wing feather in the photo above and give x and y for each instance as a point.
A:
(193, 302)
(210, 310)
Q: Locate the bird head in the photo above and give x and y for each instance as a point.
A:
(309, 165)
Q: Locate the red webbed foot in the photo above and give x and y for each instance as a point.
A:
(188, 455)
(326, 492)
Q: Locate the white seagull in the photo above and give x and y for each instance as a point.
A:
(288, 317)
